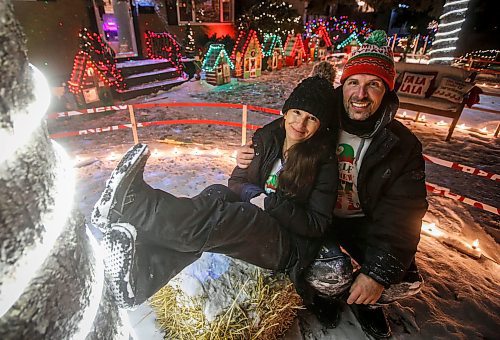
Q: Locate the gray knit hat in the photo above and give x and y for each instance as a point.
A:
(314, 95)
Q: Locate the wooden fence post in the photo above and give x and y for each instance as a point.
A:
(134, 124)
(244, 118)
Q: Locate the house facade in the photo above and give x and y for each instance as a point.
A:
(52, 27)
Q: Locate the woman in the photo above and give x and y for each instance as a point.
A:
(151, 235)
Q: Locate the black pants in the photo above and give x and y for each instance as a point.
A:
(173, 232)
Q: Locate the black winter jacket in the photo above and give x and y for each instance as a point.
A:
(392, 193)
(307, 222)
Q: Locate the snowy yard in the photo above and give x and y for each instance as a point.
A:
(461, 296)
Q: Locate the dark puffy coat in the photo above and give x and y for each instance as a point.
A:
(308, 222)
(392, 193)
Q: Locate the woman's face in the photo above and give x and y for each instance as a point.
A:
(300, 125)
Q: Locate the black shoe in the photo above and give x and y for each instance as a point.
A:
(119, 188)
(330, 275)
(373, 321)
(120, 263)
(326, 310)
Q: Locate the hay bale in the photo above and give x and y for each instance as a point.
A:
(221, 298)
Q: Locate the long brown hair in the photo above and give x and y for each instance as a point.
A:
(302, 164)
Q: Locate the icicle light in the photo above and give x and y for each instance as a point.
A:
(450, 25)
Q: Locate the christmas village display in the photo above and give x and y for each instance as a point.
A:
(247, 55)
(217, 65)
(272, 50)
(251, 303)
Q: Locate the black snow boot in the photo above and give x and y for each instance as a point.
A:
(373, 321)
(120, 187)
(326, 310)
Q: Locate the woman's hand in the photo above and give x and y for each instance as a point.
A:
(244, 155)
(364, 290)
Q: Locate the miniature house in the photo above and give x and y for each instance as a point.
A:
(247, 55)
(350, 44)
(321, 44)
(89, 83)
(272, 50)
(217, 65)
(294, 50)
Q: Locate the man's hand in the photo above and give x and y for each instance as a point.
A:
(244, 155)
(364, 290)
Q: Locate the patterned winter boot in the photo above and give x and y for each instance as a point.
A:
(119, 236)
(119, 192)
(120, 263)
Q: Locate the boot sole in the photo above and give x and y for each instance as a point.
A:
(119, 263)
(134, 160)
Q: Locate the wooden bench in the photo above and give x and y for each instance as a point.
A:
(434, 106)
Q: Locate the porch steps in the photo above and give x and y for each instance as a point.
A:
(143, 77)
(148, 88)
(151, 76)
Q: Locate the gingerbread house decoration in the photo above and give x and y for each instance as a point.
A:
(272, 49)
(295, 52)
(322, 43)
(350, 44)
(90, 81)
(247, 55)
(217, 65)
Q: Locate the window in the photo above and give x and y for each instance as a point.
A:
(205, 11)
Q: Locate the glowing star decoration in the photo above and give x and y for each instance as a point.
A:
(422, 119)
(463, 127)
(449, 27)
(441, 123)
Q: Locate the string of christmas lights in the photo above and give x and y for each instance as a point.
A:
(293, 46)
(94, 57)
(189, 45)
(337, 27)
(450, 25)
(492, 55)
(163, 46)
(214, 56)
(353, 36)
(271, 41)
(270, 17)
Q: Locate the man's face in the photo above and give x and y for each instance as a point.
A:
(363, 95)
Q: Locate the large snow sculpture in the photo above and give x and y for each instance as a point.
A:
(51, 275)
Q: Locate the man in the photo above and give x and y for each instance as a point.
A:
(381, 199)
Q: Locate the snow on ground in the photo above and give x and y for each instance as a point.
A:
(460, 298)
